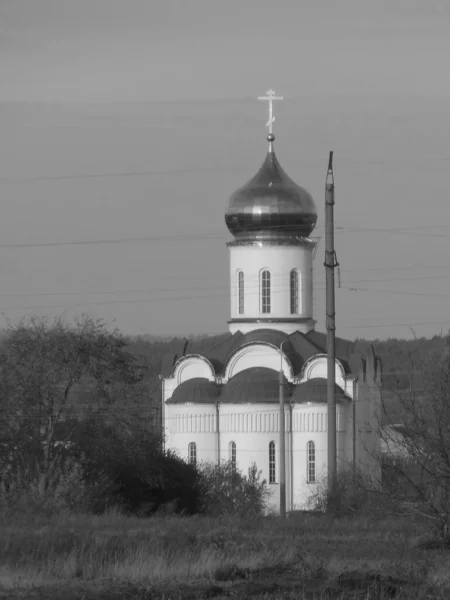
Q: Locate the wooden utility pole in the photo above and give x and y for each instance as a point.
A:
(282, 442)
(330, 264)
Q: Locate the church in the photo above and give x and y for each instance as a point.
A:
(221, 394)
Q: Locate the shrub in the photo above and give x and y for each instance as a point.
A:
(353, 494)
(139, 478)
(225, 490)
(67, 489)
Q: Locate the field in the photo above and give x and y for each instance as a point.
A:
(307, 556)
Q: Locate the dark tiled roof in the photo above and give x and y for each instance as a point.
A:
(344, 348)
(254, 385)
(315, 390)
(269, 336)
(218, 348)
(197, 390)
(257, 384)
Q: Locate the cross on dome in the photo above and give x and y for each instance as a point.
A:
(270, 97)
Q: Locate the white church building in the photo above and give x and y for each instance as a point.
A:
(220, 394)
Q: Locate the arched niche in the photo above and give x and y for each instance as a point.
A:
(193, 365)
(257, 355)
(317, 367)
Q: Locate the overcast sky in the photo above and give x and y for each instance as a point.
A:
(158, 100)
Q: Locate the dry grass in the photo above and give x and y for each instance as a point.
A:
(173, 557)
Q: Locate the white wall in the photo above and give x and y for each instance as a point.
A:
(252, 427)
(279, 260)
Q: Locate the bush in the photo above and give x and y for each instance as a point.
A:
(225, 490)
(103, 468)
(353, 494)
(65, 490)
(140, 478)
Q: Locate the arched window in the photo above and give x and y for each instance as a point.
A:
(272, 471)
(241, 292)
(192, 453)
(265, 292)
(233, 456)
(311, 462)
(294, 291)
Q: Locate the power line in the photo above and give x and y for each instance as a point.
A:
(198, 297)
(181, 171)
(154, 238)
(119, 174)
(252, 286)
(211, 236)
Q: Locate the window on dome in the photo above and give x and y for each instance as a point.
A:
(241, 292)
(265, 292)
(272, 471)
(192, 453)
(233, 456)
(294, 292)
(311, 462)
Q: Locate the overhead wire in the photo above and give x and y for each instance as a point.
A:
(201, 235)
(417, 230)
(197, 169)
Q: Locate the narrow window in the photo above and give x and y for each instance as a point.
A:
(311, 466)
(294, 292)
(233, 456)
(272, 472)
(265, 292)
(241, 292)
(192, 452)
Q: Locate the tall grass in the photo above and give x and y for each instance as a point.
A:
(70, 549)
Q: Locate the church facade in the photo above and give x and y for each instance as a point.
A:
(220, 394)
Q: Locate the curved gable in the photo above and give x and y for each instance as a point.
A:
(193, 366)
(257, 355)
(316, 368)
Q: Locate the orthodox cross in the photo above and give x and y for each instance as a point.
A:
(270, 97)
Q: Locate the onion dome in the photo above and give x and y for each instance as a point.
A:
(271, 207)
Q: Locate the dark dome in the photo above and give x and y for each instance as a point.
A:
(255, 385)
(197, 391)
(315, 390)
(271, 206)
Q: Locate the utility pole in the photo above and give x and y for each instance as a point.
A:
(282, 441)
(330, 264)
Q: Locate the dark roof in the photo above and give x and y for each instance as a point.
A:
(216, 348)
(257, 384)
(315, 390)
(271, 206)
(197, 390)
(269, 336)
(344, 348)
(301, 347)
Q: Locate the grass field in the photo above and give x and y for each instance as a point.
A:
(306, 556)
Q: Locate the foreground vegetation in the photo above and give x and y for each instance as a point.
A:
(307, 556)
(91, 507)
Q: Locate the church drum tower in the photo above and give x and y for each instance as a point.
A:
(220, 397)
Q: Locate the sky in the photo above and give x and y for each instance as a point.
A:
(132, 122)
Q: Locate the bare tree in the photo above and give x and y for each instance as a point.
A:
(416, 461)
